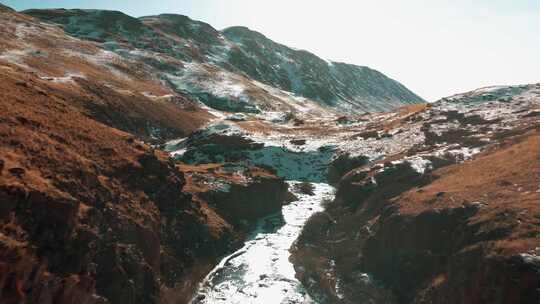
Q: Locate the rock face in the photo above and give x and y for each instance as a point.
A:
(238, 194)
(180, 48)
(247, 202)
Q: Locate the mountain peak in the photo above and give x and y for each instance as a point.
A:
(184, 27)
(173, 18)
(242, 31)
(99, 25)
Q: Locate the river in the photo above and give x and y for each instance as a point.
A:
(260, 271)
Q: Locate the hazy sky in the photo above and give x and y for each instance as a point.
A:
(434, 47)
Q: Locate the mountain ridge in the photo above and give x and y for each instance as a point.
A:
(238, 50)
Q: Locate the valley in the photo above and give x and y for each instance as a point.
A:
(159, 160)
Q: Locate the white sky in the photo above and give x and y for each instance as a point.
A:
(434, 47)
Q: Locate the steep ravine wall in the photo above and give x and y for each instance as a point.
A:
(465, 233)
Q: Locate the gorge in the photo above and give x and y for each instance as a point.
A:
(159, 160)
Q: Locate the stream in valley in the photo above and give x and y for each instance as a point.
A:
(260, 271)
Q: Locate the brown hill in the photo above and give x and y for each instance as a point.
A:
(90, 213)
(125, 94)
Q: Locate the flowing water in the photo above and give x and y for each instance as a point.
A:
(260, 272)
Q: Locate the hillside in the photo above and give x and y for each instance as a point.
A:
(337, 84)
(90, 211)
(236, 58)
(452, 218)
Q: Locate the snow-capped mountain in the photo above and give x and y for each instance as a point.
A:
(252, 68)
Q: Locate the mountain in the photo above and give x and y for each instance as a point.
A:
(158, 160)
(301, 72)
(238, 51)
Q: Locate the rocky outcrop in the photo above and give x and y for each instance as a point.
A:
(239, 194)
(262, 196)
(328, 253)
(343, 164)
(22, 269)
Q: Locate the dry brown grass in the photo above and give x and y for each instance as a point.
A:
(506, 181)
(110, 88)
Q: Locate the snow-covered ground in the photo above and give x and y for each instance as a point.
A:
(237, 93)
